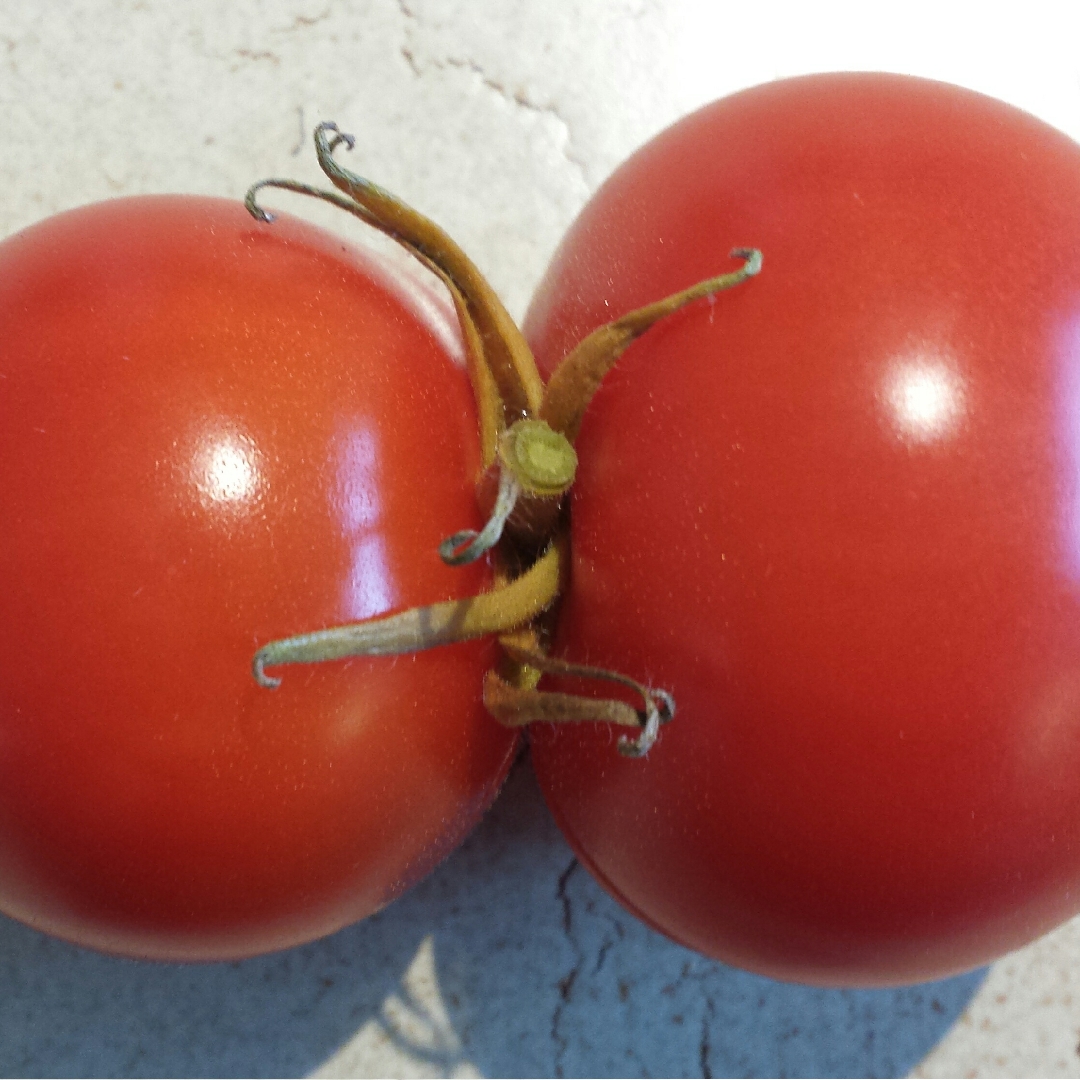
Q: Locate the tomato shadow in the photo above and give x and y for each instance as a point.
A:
(66, 1011)
(507, 961)
(593, 992)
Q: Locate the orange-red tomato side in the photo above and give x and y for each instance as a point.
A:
(214, 433)
(836, 511)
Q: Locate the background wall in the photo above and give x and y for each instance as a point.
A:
(498, 119)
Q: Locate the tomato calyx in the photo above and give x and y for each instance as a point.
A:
(526, 435)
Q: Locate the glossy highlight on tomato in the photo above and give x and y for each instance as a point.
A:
(214, 433)
(836, 511)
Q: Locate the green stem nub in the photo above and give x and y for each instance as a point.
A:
(543, 461)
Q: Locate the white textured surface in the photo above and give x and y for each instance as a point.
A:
(497, 118)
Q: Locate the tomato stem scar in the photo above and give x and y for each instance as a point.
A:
(542, 460)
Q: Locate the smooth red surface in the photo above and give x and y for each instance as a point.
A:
(215, 433)
(837, 513)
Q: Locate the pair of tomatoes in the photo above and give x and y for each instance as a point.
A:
(835, 511)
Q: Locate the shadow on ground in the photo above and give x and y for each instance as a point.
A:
(539, 974)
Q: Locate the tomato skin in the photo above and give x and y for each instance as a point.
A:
(216, 433)
(835, 513)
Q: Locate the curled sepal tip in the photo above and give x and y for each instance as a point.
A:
(754, 261)
(258, 669)
(328, 146)
(251, 203)
(659, 709)
(260, 213)
(468, 545)
(517, 706)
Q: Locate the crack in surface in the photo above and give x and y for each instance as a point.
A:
(566, 983)
(309, 20)
(521, 99)
(705, 1045)
(10, 45)
(609, 943)
(411, 19)
(410, 59)
(301, 142)
(564, 880)
(601, 956)
(302, 22)
(259, 54)
(518, 98)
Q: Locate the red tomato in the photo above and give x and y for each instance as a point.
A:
(837, 513)
(215, 433)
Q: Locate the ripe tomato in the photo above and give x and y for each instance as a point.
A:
(837, 513)
(215, 433)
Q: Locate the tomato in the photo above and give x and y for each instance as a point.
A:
(215, 433)
(836, 512)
